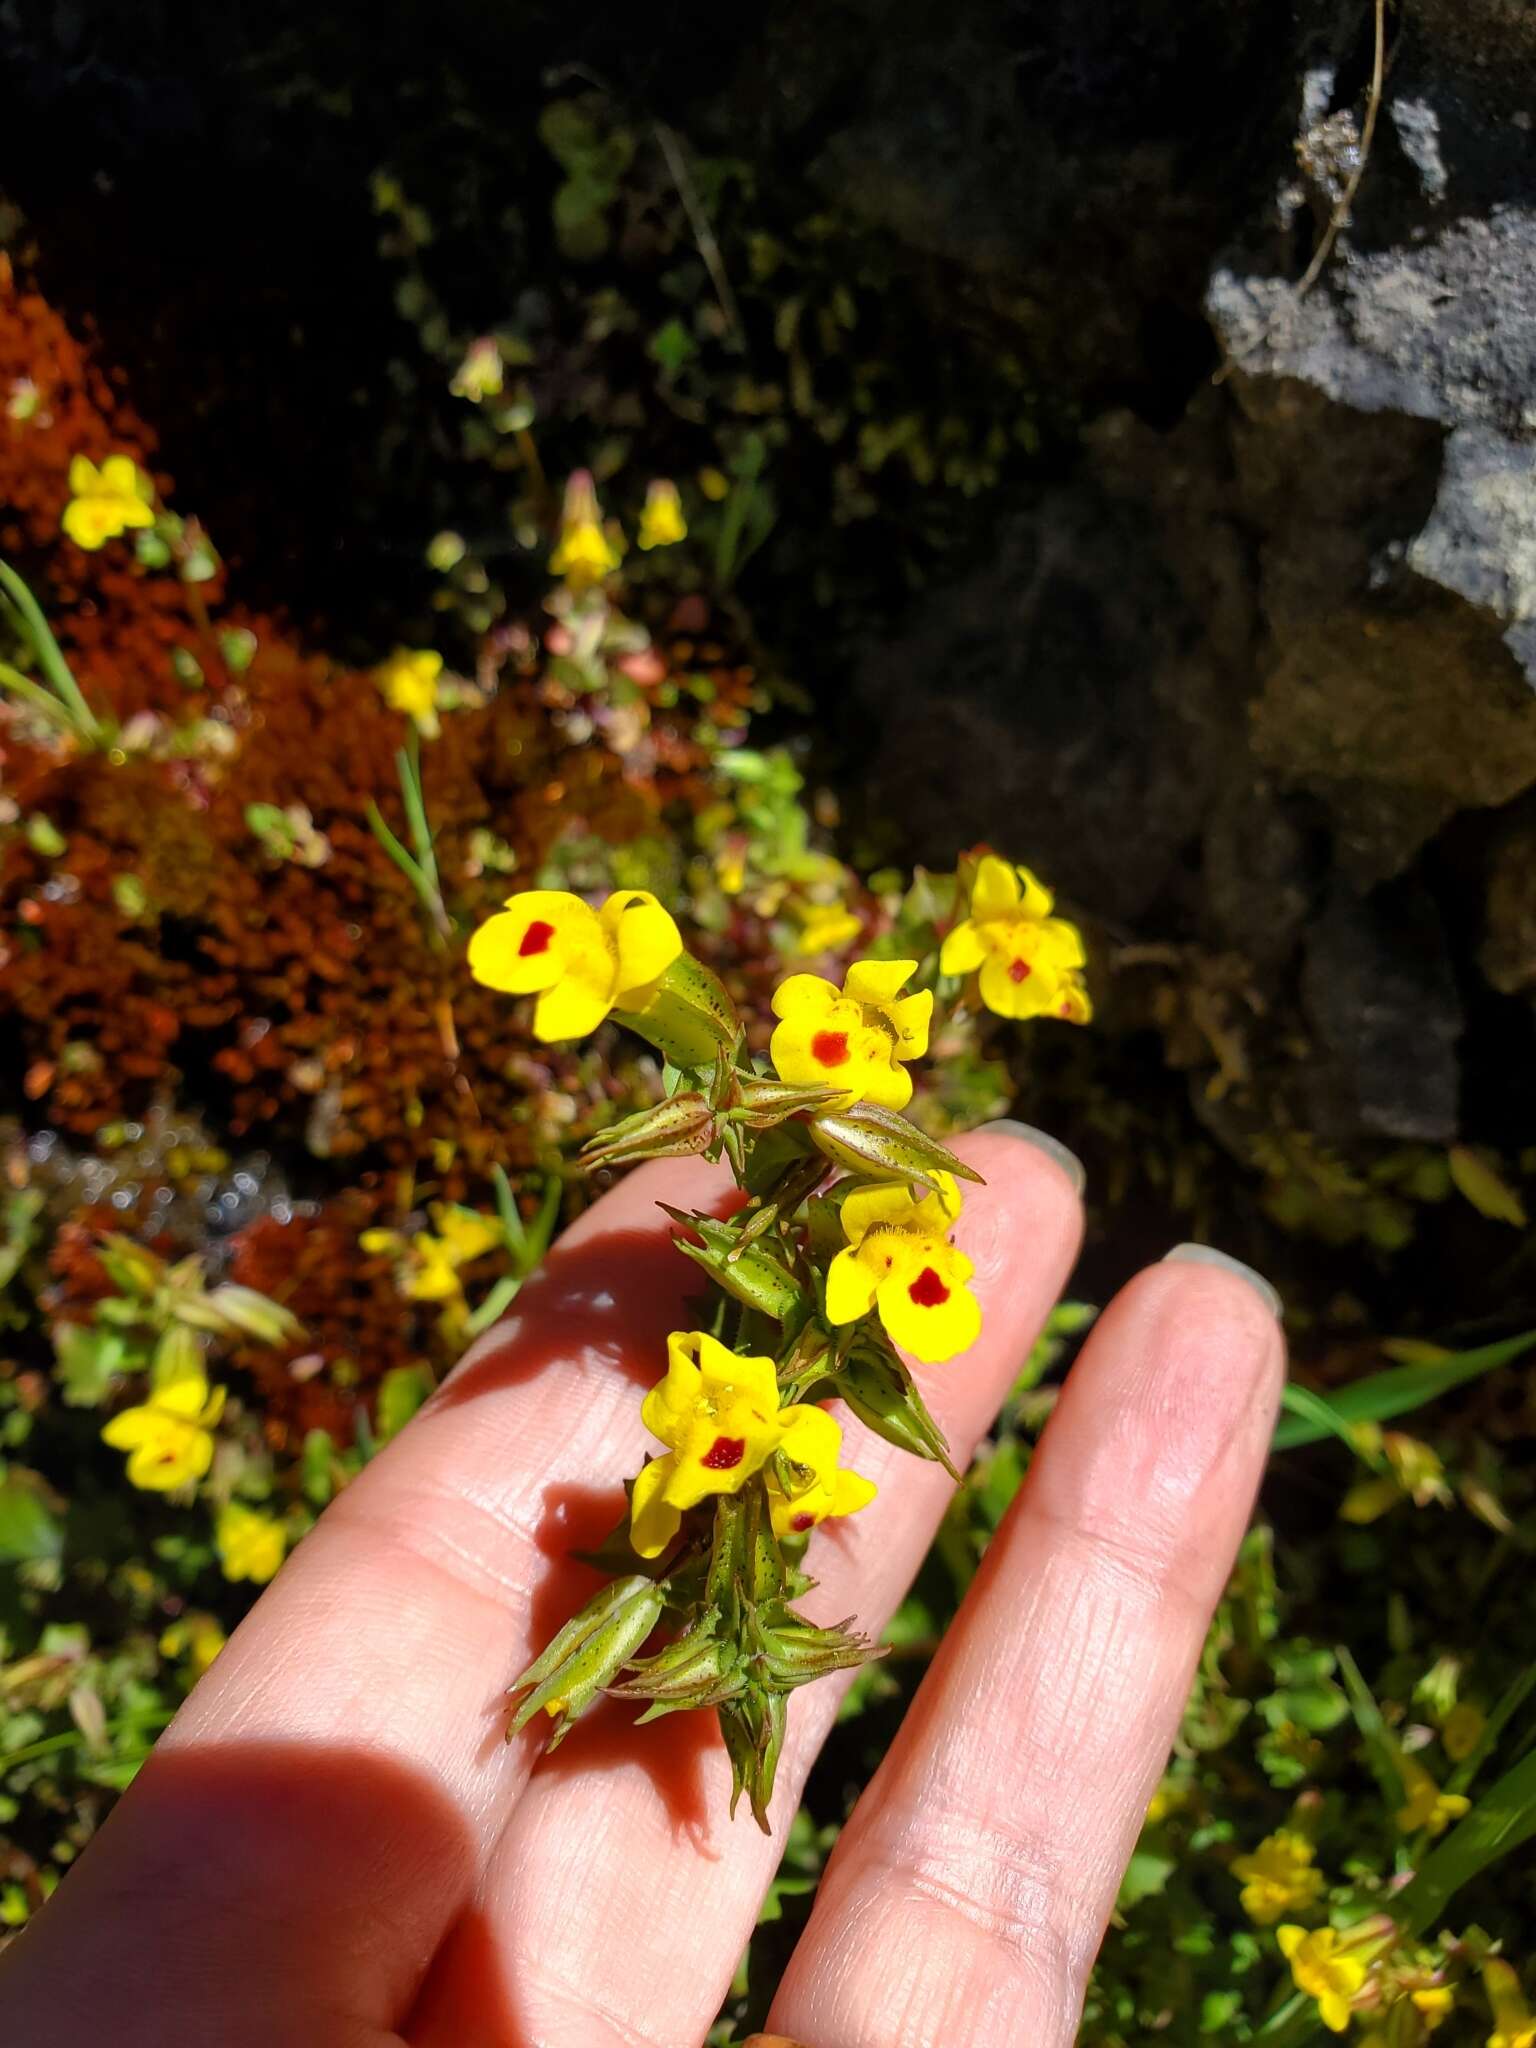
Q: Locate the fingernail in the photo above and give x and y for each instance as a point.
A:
(1207, 1255)
(1053, 1148)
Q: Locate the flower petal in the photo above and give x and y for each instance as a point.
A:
(881, 1201)
(1037, 900)
(851, 1491)
(928, 1310)
(524, 947)
(995, 891)
(877, 982)
(1018, 985)
(578, 1002)
(804, 997)
(911, 1018)
(653, 1521)
(811, 1438)
(850, 1289)
(963, 949)
(645, 938)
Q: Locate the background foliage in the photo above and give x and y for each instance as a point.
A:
(234, 1034)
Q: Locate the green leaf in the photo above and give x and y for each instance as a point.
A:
(1317, 1413)
(29, 1533)
(1489, 1194)
(402, 1391)
(1398, 1391)
(86, 1361)
(1145, 1876)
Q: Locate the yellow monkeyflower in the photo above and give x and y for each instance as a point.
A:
(169, 1437)
(817, 1487)
(1031, 962)
(197, 1637)
(250, 1544)
(899, 1260)
(825, 928)
(854, 1038)
(1462, 1730)
(580, 963)
(1324, 1971)
(719, 1416)
(1427, 1806)
(104, 502)
(661, 520)
(1513, 2026)
(409, 680)
(586, 551)
(1278, 1878)
(1433, 2005)
(479, 376)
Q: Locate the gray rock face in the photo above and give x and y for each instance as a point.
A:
(1232, 678)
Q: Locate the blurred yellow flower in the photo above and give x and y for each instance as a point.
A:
(250, 1544)
(1426, 1805)
(661, 519)
(586, 551)
(1513, 2026)
(854, 1038)
(104, 502)
(1462, 1730)
(1324, 1972)
(899, 1261)
(1278, 1878)
(169, 1437)
(409, 680)
(825, 928)
(197, 1637)
(479, 376)
(580, 963)
(1030, 962)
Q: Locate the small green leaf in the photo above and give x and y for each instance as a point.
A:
(402, 1391)
(29, 1533)
(1398, 1391)
(1484, 1188)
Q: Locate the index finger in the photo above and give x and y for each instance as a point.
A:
(344, 1760)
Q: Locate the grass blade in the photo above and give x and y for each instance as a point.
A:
(1397, 1391)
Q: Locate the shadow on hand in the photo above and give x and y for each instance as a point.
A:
(251, 1894)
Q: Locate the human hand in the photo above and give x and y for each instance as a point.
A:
(333, 1846)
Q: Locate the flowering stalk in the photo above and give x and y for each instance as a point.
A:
(840, 1253)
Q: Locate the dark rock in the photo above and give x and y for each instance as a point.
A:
(1381, 998)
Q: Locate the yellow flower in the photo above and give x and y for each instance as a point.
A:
(899, 1260)
(409, 680)
(817, 1487)
(825, 927)
(104, 502)
(715, 484)
(1278, 1878)
(1324, 1972)
(661, 520)
(197, 1637)
(1427, 1806)
(1513, 2026)
(250, 1544)
(479, 376)
(855, 1038)
(579, 962)
(1462, 1730)
(169, 1437)
(1031, 963)
(1433, 2005)
(720, 1418)
(585, 552)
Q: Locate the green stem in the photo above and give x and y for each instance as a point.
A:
(55, 667)
(54, 1745)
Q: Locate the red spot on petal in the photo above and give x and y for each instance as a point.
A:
(830, 1048)
(928, 1290)
(536, 939)
(1018, 970)
(724, 1454)
(1066, 1010)
(803, 1522)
